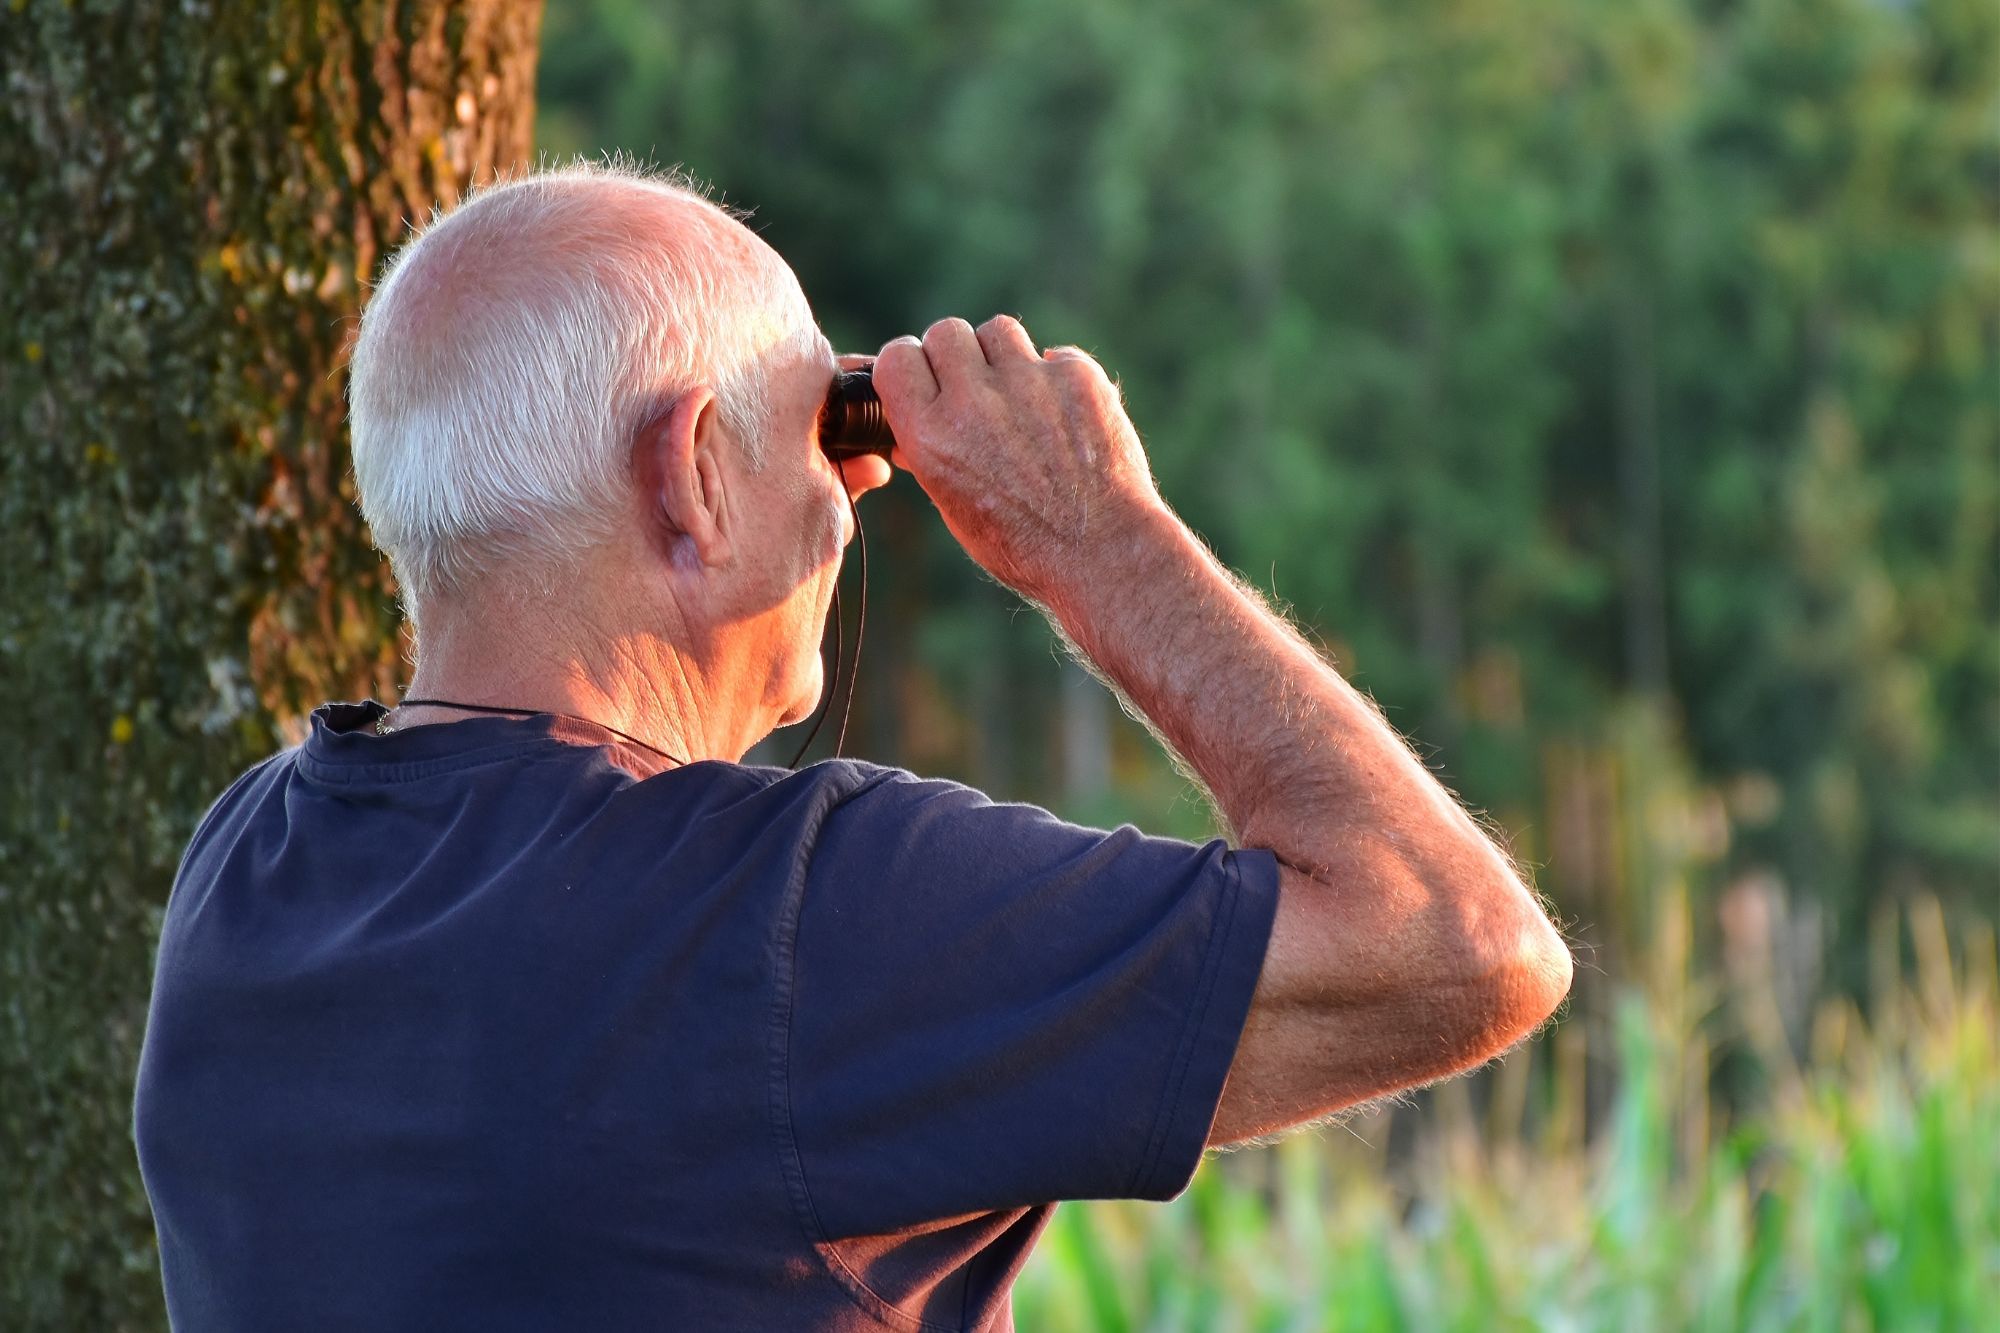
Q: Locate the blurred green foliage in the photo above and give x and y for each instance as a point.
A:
(1854, 1199)
(1555, 362)
(1615, 390)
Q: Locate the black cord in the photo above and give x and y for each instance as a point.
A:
(840, 637)
(540, 712)
(860, 620)
(826, 696)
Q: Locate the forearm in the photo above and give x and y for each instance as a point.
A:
(1294, 757)
(1403, 945)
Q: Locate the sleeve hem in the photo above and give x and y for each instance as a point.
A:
(1235, 962)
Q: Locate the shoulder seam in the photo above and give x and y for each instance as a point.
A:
(243, 780)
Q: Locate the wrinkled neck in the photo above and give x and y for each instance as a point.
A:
(680, 688)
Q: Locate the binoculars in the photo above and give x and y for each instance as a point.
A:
(853, 423)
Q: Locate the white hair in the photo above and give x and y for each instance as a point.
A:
(515, 346)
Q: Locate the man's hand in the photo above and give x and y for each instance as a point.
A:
(1406, 946)
(1029, 457)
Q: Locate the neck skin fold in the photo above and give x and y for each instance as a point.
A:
(695, 691)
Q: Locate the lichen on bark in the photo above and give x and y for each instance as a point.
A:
(192, 196)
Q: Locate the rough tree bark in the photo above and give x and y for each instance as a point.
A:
(193, 194)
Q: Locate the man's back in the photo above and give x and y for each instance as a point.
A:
(499, 1025)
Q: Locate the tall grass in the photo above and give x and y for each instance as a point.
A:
(1857, 1188)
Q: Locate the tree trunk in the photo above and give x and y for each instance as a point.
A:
(192, 197)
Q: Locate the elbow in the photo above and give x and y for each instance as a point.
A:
(1520, 986)
(1538, 977)
(1509, 981)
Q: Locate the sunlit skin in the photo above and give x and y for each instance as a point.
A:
(698, 631)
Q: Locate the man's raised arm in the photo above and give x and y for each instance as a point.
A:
(1405, 946)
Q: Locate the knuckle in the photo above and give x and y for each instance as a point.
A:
(947, 325)
(889, 372)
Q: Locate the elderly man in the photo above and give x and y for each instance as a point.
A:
(530, 1006)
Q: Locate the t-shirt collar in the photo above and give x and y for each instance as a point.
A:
(343, 736)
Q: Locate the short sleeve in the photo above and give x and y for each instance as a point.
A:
(992, 1008)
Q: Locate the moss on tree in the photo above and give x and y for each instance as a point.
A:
(192, 196)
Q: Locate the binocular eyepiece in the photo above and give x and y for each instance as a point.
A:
(853, 423)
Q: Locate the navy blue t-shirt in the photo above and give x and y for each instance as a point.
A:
(501, 1024)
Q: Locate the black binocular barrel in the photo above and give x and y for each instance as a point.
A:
(854, 423)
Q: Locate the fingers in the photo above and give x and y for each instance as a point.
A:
(903, 374)
(1003, 339)
(1078, 363)
(954, 352)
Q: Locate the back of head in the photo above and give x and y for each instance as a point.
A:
(512, 350)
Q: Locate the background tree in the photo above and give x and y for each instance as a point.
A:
(1612, 388)
(192, 199)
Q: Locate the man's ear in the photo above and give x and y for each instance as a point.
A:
(677, 460)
